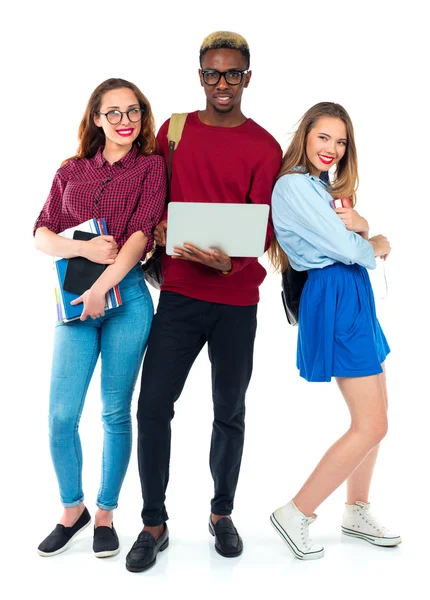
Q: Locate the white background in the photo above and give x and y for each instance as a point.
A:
(372, 57)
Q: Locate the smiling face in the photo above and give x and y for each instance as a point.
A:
(125, 132)
(326, 143)
(224, 97)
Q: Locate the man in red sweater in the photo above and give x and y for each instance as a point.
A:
(206, 297)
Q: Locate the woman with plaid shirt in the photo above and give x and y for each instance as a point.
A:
(115, 175)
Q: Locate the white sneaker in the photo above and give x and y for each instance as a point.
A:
(293, 527)
(359, 522)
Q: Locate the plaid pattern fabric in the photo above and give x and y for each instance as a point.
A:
(130, 194)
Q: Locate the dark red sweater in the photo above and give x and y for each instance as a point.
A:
(220, 164)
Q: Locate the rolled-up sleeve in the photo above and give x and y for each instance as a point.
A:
(151, 203)
(298, 209)
(50, 214)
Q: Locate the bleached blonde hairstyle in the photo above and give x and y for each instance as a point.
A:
(225, 39)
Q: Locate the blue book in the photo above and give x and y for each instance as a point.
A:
(65, 311)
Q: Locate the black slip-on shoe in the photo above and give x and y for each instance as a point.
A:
(105, 541)
(61, 537)
(228, 542)
(143, 553)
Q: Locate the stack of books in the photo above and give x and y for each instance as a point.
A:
(78, 274)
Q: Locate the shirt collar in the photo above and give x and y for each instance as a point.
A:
(126, 161)
(323, 178)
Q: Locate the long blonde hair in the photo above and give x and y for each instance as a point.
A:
(345, 180)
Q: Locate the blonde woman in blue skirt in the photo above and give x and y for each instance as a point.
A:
(339, 335)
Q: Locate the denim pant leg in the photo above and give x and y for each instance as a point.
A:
(231, 349)
(124, 337)
(76, 348)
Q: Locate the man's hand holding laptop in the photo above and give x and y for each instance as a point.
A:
(160, 233)
(214, 258)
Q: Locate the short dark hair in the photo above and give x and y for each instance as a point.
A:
(225, 39)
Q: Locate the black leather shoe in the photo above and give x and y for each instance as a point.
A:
(61, 537)
(228, 542)
(144, 551)
(105, 541)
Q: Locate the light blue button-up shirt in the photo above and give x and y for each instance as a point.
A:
(308, 229)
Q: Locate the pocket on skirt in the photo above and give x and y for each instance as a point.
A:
(353, 328)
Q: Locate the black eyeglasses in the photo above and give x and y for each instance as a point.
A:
(115, 116)
(233, 77)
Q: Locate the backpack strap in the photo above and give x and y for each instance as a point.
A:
(174, 134)
(176, 126)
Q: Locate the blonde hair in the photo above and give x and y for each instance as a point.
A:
(225, 39)
(345, 180)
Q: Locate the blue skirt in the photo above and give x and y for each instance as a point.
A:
(339, 334)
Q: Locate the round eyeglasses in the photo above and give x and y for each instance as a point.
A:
(115, 116)
(233, 77)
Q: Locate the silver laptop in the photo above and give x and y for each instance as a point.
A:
(235, 229)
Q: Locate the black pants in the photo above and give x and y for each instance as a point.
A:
(179, 331)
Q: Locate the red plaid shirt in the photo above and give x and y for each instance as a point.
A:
(130, 194)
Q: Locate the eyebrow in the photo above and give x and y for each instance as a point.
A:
(129, 106)
(329, 136)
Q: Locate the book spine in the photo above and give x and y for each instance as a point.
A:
(60, 315)
(98, 227)
(113, 296)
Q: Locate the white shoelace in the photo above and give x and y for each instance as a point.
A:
(371, 520)
(307, 541)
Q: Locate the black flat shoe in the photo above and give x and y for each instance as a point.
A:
(228, 542)
(61, 537)
(143, 553)
(105, 541)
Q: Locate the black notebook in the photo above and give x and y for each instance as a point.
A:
(81, 273)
